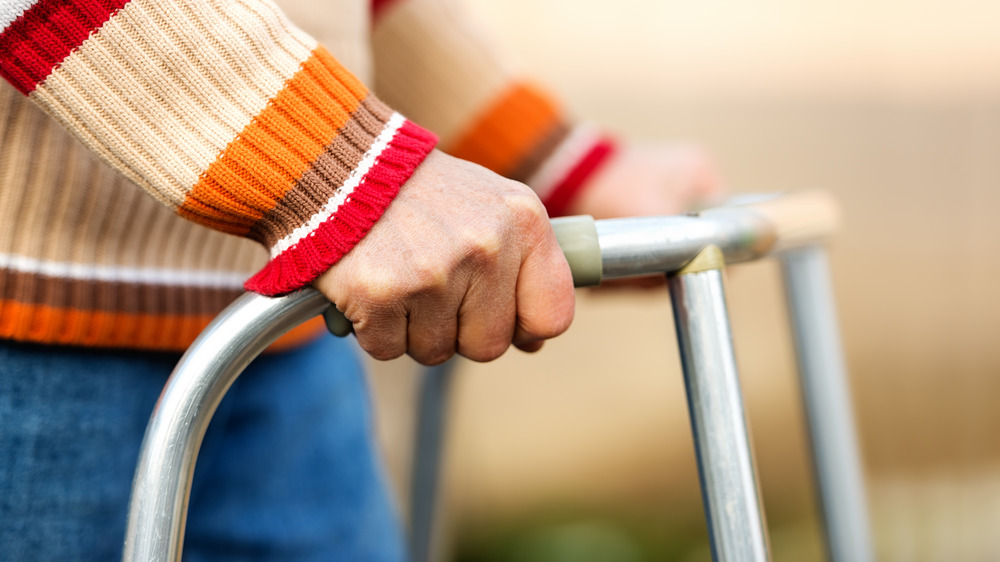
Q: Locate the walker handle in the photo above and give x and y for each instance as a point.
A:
(746, 227)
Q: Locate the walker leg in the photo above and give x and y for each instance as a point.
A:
(427, 454)
(827, 405)
(722, 443)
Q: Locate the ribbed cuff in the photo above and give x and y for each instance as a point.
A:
(302, 255)
(564, 191)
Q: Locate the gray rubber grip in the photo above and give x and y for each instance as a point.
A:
(577, 237)
(336, 322)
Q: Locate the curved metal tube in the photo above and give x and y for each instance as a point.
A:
(655, 245)
(158, 507)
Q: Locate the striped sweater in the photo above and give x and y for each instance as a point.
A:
(266, 159)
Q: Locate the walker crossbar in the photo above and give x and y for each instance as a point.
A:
(741, 231)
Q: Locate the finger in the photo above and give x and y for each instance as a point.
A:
(382, 333)
(530, 347)
(488, 316)
(545, 299)
(433, 328)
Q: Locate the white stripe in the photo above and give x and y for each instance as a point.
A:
(564, 158)
(345, 190)
(10, 10)
(121, 274)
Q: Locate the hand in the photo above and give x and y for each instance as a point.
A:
(462, 261)
(649, 179)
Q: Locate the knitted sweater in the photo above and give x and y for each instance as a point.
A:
(266, 159)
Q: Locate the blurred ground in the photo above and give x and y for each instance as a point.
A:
(893, 106)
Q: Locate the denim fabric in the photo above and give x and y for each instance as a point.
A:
(287, 470)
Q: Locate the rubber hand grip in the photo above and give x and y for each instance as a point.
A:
(336, 322)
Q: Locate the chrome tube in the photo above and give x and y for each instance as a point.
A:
(825, 392)
(654, 245)
(428, 452)
(158, 507)
(715, 404)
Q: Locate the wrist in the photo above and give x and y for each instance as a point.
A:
(566, 173)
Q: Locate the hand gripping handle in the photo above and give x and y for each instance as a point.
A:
(577, 237)
(745, 228)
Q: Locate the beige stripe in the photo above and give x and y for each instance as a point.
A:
(8, 98)
(435, 64)
(580, 140)
(19, 135)
(58, 203)
(163, 87)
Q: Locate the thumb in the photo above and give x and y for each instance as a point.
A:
(544, 295)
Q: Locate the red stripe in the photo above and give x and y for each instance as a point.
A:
(32, 46)
(317, 252)
(564, 192)
(378, 6)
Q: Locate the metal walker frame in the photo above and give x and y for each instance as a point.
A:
(691, 250)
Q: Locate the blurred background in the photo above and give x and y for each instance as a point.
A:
(583, 452)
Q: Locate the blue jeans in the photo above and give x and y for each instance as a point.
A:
(287, 470)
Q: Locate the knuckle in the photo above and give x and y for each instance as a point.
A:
(375, 288)
(485, 351)
(524, 204)
(382, 352)
(426, 275)
(434, 357)
(377, 334)
(382, 291)
(483, 246)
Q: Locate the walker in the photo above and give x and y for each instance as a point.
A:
(691, 250)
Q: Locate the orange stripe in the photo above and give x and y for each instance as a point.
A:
(507, 131)
(255, 171)
(94, 328)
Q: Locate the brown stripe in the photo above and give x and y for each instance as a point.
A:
(326, 174)
(109, 296)
(256, 169)
(540, 153)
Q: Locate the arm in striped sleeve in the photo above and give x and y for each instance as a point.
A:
(437, 64)
(225, 112)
